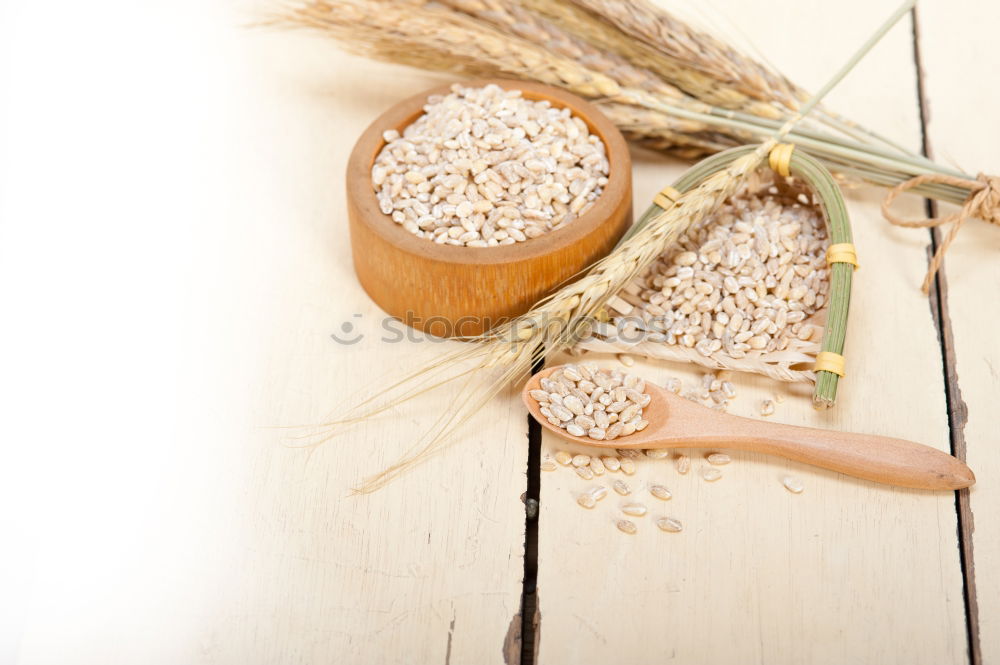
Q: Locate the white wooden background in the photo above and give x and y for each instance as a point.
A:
(175, 259)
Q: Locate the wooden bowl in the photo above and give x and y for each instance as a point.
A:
(449, 290)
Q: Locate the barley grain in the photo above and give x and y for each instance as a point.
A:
(793, 485)
(597, 466)
(657, 453)
(611, 463)
(628, 466)
(564, 457)
(584, 472)
(598, 492)
(548, 464)
(660, 492)
(586, 500)
(669, 524)
(718, 459)
(634, 509)
(767, 408)
(562, 413)
(710, 474)
(682, 463)
(574, 404)
(626, 526)
(621, 487)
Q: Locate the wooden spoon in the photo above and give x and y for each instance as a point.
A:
(676, 422)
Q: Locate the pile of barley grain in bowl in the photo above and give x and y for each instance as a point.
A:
(744, 281)
(591, 402)
(484, 167)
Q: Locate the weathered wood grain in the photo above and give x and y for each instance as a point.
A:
(957, 43)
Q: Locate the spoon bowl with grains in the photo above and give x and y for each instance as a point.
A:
(612, 409)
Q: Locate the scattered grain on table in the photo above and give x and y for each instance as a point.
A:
(660, 492)
(669, 524)
(710, 474)
(793, 485)
(627, 526)
(634, 509)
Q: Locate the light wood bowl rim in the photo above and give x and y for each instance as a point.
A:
(406, 112)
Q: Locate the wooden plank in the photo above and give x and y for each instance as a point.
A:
(195, 535)
(958, 50)
(848, 571)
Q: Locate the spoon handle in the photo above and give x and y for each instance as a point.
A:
(878, 458)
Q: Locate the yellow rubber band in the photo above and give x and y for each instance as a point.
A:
(780, 158)
(830, 362)
(842, 252)
(666, 197)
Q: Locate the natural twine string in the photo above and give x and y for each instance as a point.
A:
(983, 202)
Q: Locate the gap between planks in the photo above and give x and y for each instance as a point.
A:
(957, 411)
(530, 618)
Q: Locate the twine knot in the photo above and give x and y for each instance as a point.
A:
(983, 202)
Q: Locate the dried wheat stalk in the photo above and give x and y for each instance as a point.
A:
(441, 38)
(513, 18)
(682, 138)
(691, 49)
(434, 37)
(699, 76)
(431, 36)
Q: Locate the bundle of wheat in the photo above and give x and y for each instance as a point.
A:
(664, 83)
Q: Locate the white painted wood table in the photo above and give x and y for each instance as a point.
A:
(175, 246)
